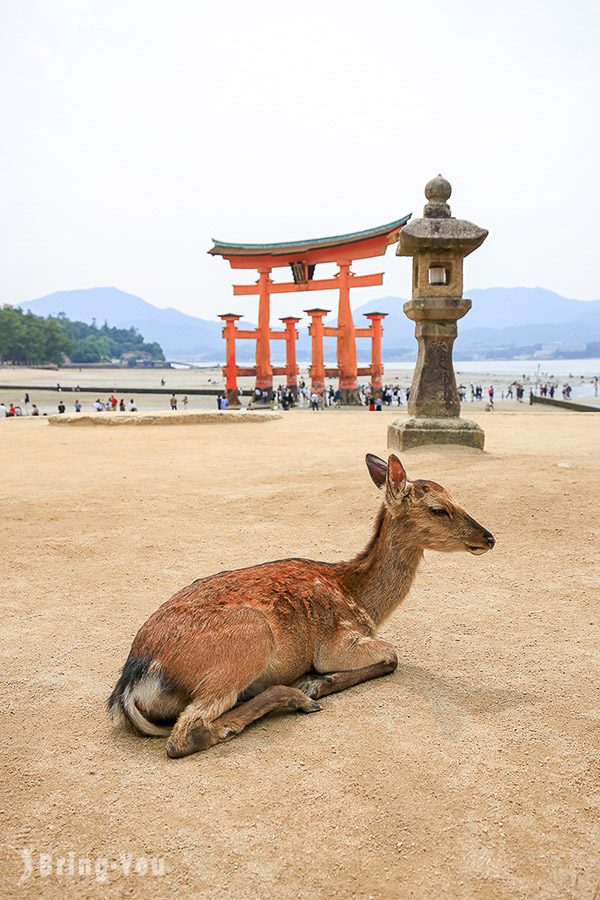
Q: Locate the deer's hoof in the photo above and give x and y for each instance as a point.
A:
(313, 706)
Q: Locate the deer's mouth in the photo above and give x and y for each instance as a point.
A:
(478, 549)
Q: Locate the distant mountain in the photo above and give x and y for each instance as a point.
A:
(500, 317)
(178, 334)
(504, 307)
(398, 331)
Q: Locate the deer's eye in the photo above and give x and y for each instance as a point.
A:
(439, 511)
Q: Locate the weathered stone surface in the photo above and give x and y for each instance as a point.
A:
(440, 233)
(438, 244)
(162, 418)
(417, 432)
(443, 309)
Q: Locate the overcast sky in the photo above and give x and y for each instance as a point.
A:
(133, 131)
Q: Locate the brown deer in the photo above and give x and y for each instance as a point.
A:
(234, 646)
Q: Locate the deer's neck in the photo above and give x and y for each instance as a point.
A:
(380, 577)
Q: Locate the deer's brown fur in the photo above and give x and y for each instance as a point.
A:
(282, 634)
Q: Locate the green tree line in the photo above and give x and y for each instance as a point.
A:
(27, 339)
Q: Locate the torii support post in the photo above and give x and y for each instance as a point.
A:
(291, 366)
(317, 367)
(230, 370)
(264, 371)
(346, 341)
(376, 363)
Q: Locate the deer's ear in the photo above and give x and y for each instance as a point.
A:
(396, 476)
(378, 469)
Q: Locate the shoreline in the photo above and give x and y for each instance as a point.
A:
(204, 385)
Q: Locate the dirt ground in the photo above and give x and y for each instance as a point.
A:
(470, 772)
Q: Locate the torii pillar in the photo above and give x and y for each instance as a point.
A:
(264, 370)
(346, 339)
(291, 366)
(376, 363)
(230, 370)
(317, 368)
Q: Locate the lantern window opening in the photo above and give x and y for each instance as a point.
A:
(438, 275)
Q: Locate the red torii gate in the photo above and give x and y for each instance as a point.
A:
(303, 257)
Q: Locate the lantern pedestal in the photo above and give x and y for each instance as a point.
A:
(417, 432)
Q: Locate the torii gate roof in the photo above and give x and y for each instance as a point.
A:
(359, 245)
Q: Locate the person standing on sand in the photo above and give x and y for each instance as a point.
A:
(173, 402)
(185, 401)
(27, 404)
(34, 410)
(132, 405)
(3, 411)
(314, 401)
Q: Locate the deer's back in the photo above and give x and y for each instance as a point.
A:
(298, 597)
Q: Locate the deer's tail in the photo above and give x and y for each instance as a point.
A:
(140, 684)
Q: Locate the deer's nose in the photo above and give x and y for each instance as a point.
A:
(489, 538)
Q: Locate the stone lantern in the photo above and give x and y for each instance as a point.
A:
(438, 243)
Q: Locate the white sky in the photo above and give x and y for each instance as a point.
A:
(132, 131)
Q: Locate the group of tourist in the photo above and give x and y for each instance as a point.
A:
(12, 410)
(173, 402)
(112, 404)
(7, 412)
(31, 409)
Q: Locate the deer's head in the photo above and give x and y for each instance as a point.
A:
(436, 521)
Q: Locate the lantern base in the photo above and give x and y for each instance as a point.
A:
(404, 435)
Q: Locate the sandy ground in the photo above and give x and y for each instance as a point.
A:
(471, 772)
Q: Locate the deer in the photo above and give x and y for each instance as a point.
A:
(234, 646)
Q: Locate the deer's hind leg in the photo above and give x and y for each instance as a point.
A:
(200, 735)
(349, 659)
(220, 665)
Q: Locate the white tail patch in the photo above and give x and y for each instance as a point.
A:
(148, 694)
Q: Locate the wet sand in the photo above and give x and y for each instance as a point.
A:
(470, 772)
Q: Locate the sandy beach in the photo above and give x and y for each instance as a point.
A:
(470, 772)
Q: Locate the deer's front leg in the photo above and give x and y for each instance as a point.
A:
(349, 660)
